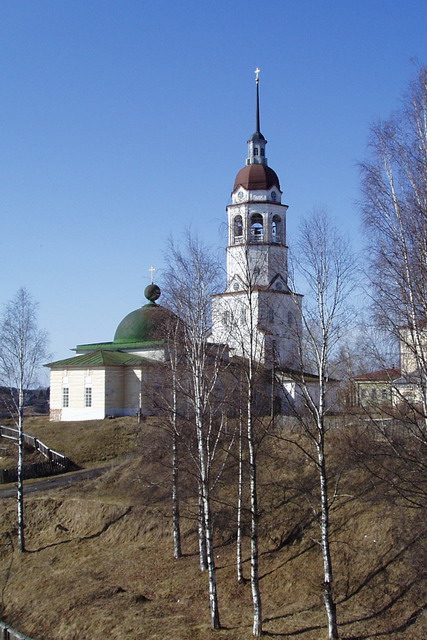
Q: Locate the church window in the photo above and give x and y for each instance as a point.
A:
(255, 151)
(270, 316)
(276, 229)
(279, 285)
(262, 152)
(374, 394)
(238, 227)
(257, 227)
(290, 318)
(226, 318)
(65, 397)
(88, 396)
(236, 286)
(243, 314)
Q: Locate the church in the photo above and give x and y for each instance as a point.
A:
(257, 316)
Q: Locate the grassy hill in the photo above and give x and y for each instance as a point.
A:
(100, 562)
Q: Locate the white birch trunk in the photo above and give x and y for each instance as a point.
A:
(207, 520)
(326, 554)
(256, 594)
(239, 562)
(203, 560)
(20, 470)
(176, 526)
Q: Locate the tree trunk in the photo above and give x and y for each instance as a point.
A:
(207, 522)
(203, 560)
(328, 595)
(256, 594)
(239, 563)
(20, 480)
(176, 527)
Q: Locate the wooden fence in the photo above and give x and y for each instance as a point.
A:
(55, 463)
(8, 633)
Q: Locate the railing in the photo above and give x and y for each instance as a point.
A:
(56, 462)
(9, 633)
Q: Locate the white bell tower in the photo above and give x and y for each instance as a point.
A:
(257, 304)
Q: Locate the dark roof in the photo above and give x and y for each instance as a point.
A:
(379, 376)
(100, 358)
(256, 136)
(146, 324)
(256, 176)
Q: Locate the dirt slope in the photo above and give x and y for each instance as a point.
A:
(100, 562)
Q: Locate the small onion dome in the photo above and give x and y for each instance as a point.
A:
(152, 292)
(146, 324)
(256, 177)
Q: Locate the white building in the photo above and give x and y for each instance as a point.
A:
(258, 313)
(115, 378)
(257, 317)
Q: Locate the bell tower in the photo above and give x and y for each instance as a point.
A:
(257, 262)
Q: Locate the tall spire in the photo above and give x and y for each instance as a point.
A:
(257, 142)
(257, 72)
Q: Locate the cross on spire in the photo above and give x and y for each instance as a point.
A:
(257, 72)
(152, 270)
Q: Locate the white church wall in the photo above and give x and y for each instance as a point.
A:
(230, 323)
(276, 322)
(408, 360)
(157, 354)
(114, 390)
(132, 390)
(82, 384)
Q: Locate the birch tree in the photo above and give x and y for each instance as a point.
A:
(244, 323)
(326, 266)
(23, 347)
(192, 275)
(394, 205)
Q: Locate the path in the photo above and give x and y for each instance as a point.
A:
(55, 482)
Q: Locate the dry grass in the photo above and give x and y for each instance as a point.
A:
(100, 562)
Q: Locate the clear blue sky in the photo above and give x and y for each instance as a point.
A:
(124, 122)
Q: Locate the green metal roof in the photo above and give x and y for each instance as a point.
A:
(145, 324)
(101, 358)
(114, 346)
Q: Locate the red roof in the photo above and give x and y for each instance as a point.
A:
(382, 374)
(256, 176)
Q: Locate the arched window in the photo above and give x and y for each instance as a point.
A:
(290, 318)
(238, 227)
(257, 227)
(255, 151)
(262, 151)
(276, 229)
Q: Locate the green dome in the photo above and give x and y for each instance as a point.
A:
(147, 324)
